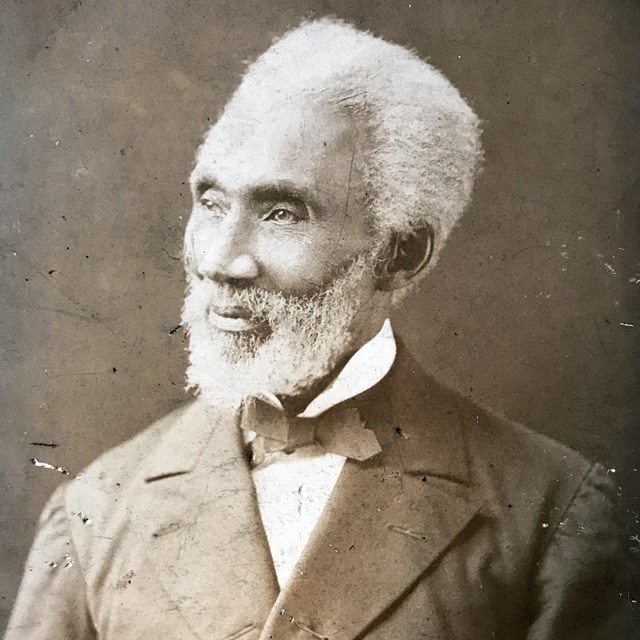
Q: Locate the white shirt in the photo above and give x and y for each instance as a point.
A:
(293, 489)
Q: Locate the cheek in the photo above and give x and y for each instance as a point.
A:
(300, 264)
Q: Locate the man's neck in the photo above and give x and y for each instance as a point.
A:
(294, 405)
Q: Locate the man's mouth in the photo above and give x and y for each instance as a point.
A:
(234, 319)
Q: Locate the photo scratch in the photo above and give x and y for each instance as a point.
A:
(45, 465)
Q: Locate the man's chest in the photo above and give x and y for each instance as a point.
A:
(292, 490)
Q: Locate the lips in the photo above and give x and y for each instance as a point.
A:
(232, 319)
(231, 312)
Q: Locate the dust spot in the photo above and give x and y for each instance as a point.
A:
(125, 580)
(85, 519)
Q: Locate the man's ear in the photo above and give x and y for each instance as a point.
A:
(405, 256)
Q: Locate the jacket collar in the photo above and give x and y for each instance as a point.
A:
(387, 520)
(430, 421)
(201, 526)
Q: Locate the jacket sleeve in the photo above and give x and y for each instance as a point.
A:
(51, 602)
(582, 580)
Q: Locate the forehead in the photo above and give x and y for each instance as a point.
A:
(297, 141)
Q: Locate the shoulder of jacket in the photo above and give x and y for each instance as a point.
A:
(526, 456)
(457, 433)
(124, 464)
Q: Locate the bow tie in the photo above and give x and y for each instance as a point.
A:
(340, 431)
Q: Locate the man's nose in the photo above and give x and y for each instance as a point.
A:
(230, 255)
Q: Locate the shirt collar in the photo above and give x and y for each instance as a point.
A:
(366, 368)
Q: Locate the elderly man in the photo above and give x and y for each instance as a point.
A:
(321, 485)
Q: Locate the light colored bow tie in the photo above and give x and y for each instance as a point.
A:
(340, 431)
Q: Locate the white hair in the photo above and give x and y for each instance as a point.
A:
(423, 149)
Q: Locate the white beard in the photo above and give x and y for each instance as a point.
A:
(305, 337)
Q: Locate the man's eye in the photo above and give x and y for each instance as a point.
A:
(209, 204)
(283, 216)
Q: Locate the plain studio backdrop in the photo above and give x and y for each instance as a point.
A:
(532, 310)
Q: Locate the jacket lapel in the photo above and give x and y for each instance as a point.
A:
(388, 520)
(203, 531)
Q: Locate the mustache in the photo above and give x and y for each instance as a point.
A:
(258, 303)
(251, 301)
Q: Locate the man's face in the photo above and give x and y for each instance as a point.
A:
(278, 201)
(280, 251)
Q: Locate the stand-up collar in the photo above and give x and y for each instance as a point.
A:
(365, 369)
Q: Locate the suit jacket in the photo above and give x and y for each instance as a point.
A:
(464, 527)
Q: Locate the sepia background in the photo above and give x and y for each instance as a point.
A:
(532, 310)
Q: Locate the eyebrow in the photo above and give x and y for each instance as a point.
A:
(287, 192)
(202, 184)
(270, 192)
